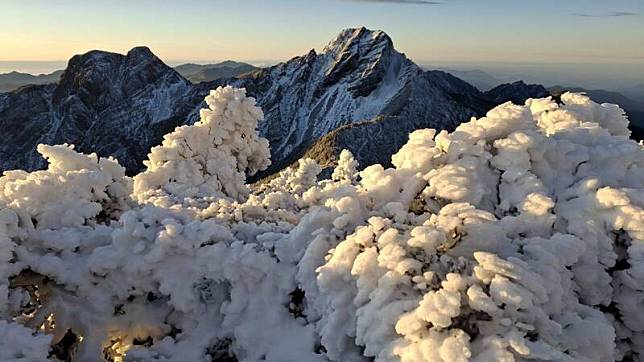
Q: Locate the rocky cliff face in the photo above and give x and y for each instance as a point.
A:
(121, 105)
(107, 103)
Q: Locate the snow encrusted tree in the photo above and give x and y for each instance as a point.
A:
(518, 236)
(211, 157)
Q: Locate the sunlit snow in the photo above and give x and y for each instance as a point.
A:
(520, 235)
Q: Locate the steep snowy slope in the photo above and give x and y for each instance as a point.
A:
(374, 141)
(356, 77)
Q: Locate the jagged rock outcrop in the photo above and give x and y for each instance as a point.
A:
(107, 103)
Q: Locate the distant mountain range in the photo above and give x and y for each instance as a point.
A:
(516, 92)
(482, 80)
(15, 80)
(634, 92)
(358, 93)
(197, 73)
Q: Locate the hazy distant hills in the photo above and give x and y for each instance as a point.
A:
(634, 92)
(482, 80)
(197, 73)
(485, 81)
(516, 92)
(15, 80)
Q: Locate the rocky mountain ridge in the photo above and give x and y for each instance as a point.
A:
(14, 80)
(121, 105)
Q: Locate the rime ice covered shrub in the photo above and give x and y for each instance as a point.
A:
(516, 237)
(74, 190)
(210, 157)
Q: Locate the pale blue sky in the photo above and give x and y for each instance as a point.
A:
(579, 31)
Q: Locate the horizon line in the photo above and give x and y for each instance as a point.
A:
(597, 60)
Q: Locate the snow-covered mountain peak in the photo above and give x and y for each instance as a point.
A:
(363, 59)
(356, 77)
(353, 47)
(355, 38)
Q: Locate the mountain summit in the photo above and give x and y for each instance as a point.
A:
(362, 57)
(108, 103)
(121, 105)
(357, 77)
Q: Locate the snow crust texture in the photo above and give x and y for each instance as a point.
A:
(519, 236)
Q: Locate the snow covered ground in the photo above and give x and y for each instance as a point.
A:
(517, 236)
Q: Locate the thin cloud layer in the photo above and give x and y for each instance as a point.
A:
(603, 15)
(421, 2)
